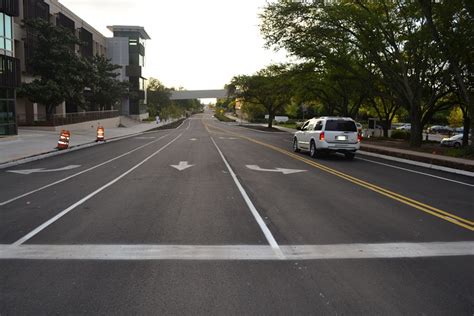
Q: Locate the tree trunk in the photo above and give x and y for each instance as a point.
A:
(385, 130)
(416, 132)
(271, 116)
(467, 128)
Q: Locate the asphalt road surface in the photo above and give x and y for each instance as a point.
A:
(214, 218)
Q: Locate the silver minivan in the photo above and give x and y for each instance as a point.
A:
(328, 134)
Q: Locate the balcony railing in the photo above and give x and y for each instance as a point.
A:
(64, 119)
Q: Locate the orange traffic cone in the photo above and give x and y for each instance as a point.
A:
(64, 138)
(100, 134)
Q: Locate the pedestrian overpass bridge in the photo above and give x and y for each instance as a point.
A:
(199, 94)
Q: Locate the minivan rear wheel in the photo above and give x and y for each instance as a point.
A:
(296, 149)
(313, 152)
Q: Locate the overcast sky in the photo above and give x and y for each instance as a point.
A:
(196, 44)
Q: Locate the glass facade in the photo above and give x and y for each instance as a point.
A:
(9, 76)
(6, 35)
(7, 112)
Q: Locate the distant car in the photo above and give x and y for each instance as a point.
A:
(404, 127)
(440, 129)
(454, 141)
(459, 130)
(328, 134)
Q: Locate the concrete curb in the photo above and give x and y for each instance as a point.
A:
(417, 163)
(54, 153)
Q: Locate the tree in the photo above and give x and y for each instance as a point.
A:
(389, 39)
(270, 87)
(105, 91)
(160, 103)
(452, 27)
(158, 97)
(58, 71)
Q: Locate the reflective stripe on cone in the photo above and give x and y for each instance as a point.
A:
(63, 142)
(100, 134)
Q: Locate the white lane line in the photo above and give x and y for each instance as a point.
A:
(418, 164)
(417, 172)
(268, 235)
(181, 124)
(189, 124)
(236, 252)
(70, 208)
(79, 173)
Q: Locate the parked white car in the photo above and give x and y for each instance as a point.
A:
(328, 134)
(404, 127)
(454, 141)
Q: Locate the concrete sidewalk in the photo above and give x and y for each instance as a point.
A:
(30, 142)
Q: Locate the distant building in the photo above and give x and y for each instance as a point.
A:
(127, 49)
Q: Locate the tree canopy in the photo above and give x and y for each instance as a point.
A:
(386, 55)
(60, 74)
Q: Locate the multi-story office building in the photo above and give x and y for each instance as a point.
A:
(127, 49)
(9, 67)
(51, 10)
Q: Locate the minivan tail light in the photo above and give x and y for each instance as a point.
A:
(321, 136)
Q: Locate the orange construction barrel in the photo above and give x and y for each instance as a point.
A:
(64, 138)
(100, 134)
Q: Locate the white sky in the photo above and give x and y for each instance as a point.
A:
(196, 44)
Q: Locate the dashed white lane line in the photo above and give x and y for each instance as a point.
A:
(268, 235)
(417, 172)
(79, 173)
(236, 252)
(72, 207)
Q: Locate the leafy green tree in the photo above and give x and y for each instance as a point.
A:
(58, 71)
(455, 117)
(271, 88)
(104, 90)
(452, 27)
(387, 39)
(160, 103)
(158, 97)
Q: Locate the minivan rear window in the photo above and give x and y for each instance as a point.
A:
(341, 126)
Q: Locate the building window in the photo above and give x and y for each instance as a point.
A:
(6, 35)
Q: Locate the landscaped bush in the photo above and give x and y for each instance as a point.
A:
(398, 134)
(223, 118)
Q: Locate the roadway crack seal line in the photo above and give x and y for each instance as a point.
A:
(459, 221)
(237, 252)
(88, 197)
(81, 172)
(266, 231)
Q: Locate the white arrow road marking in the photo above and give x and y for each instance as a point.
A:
(30, 171)
(282, 170)
(183, 165)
